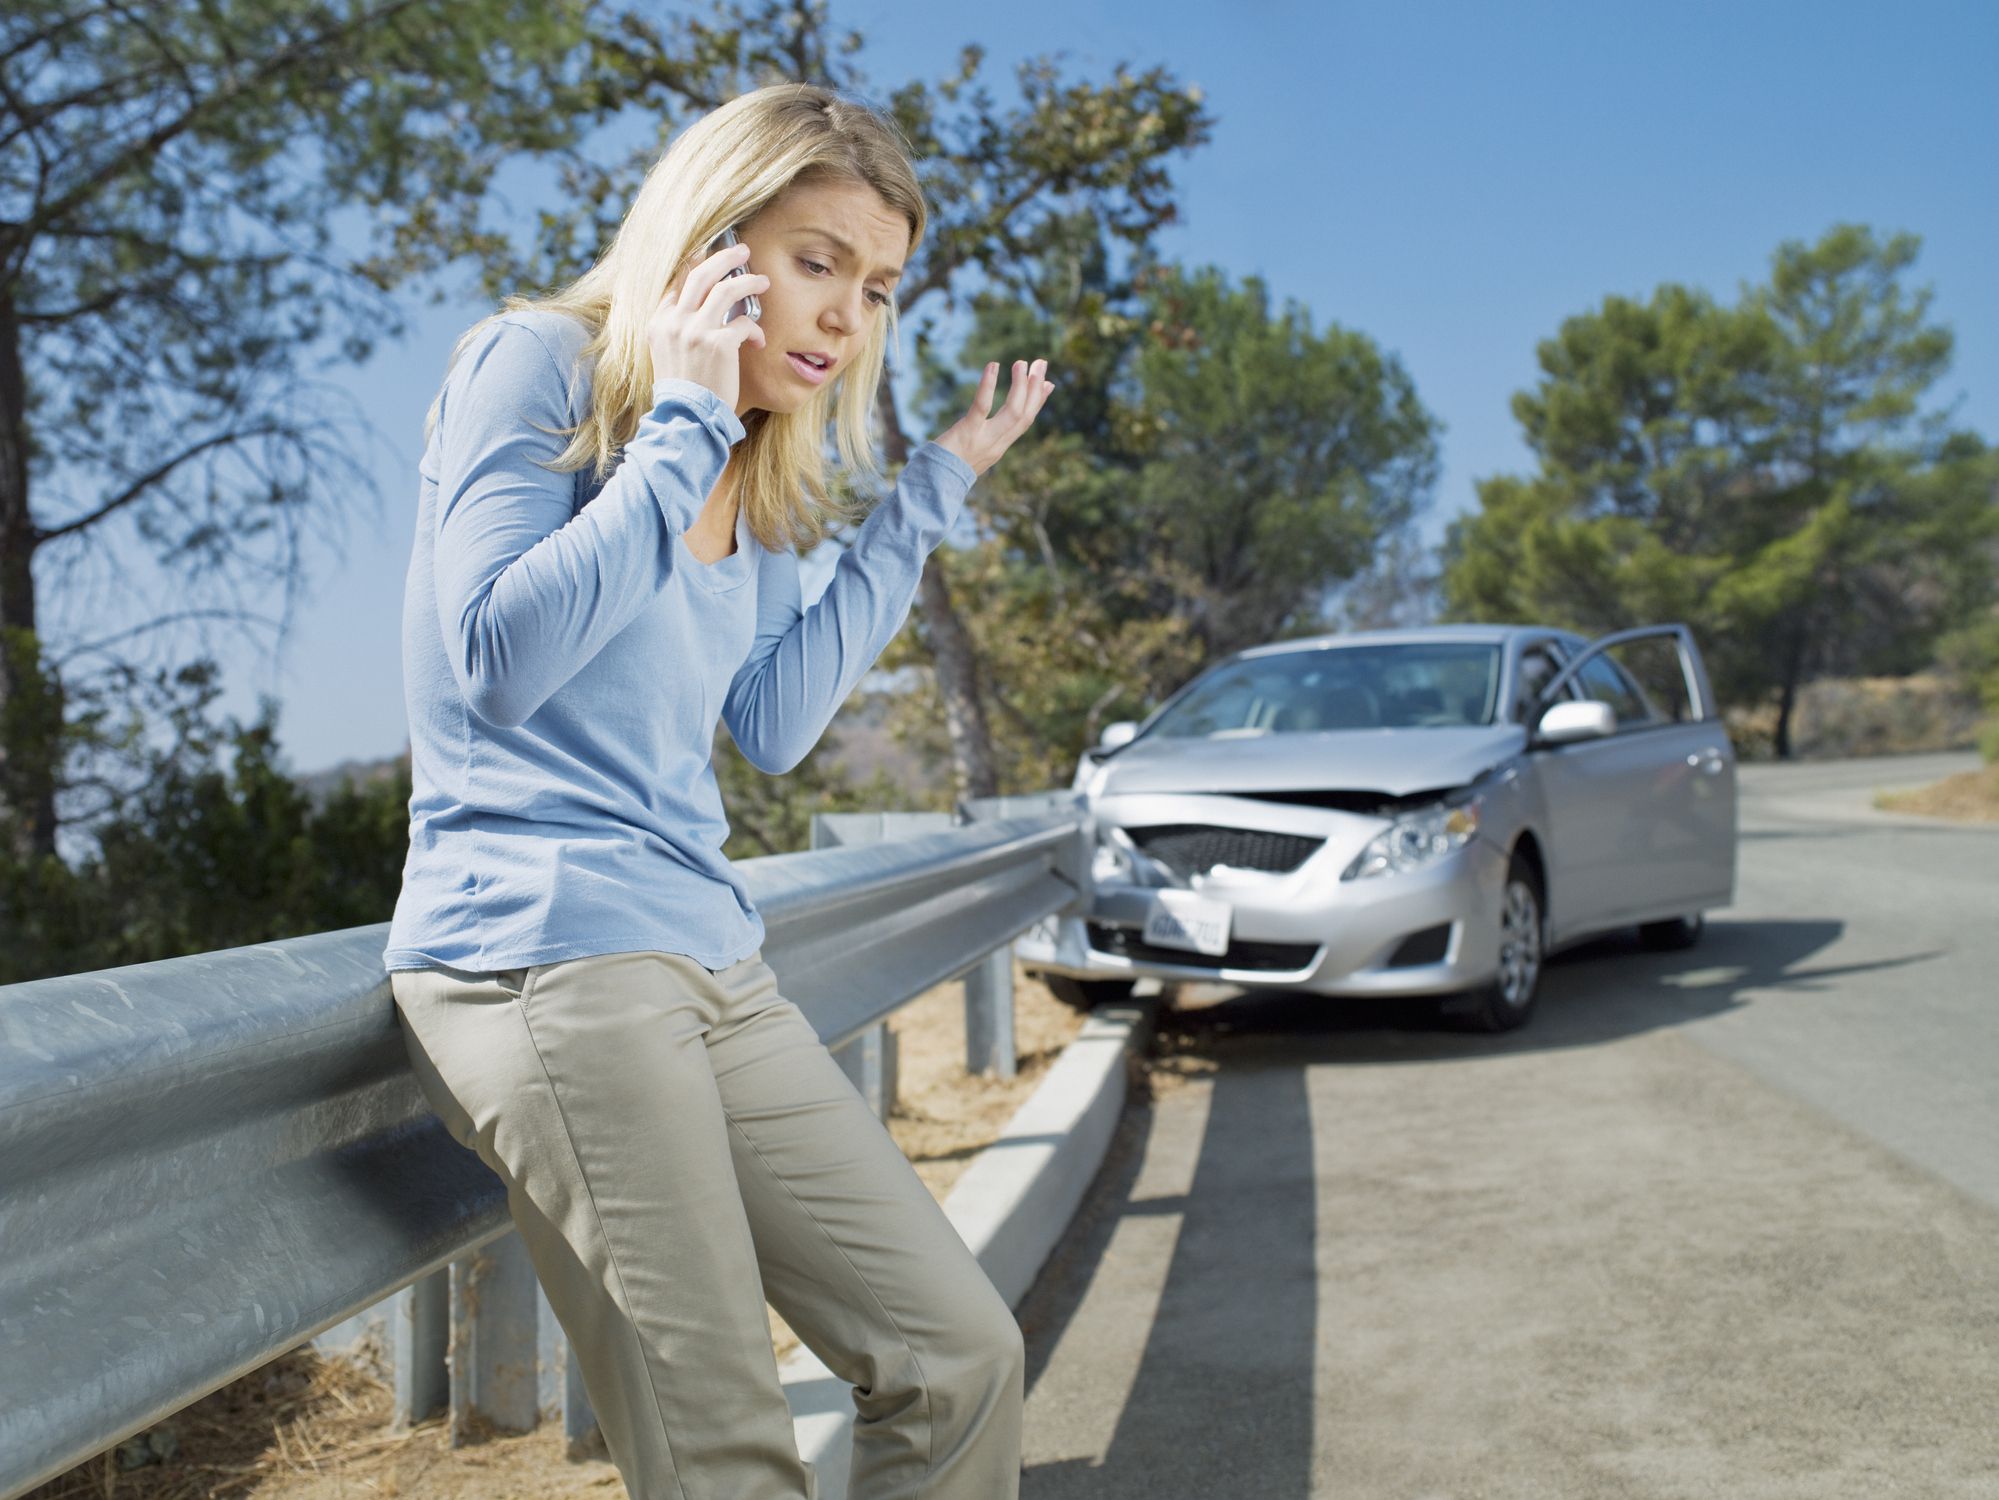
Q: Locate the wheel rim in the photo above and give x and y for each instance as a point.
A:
(1519, 943)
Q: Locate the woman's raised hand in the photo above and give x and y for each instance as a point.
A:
(689, 340)
(978, 438)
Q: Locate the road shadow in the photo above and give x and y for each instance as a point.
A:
(1213, 1391)
(1598, 991)
(1221, 1399)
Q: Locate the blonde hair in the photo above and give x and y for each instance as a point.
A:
(721, 171)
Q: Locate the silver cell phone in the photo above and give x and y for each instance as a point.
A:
(748, 302)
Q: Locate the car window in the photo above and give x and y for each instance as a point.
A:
(1537, 665)
(1606, 682)
(1415, 685)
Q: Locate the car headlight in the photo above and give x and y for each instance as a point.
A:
(1417, 839)
(1110, 863)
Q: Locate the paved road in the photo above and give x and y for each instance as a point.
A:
(1719, 1223)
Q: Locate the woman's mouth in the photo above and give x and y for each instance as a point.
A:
(814, 373)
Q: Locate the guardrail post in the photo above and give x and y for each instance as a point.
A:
(494, 1338)
(420, 1316)
(989, 1045)
(562, 1394)
(870, 1058)
(404, 1339)
(989, 1038)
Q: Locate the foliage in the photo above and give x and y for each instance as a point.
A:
(171, 189)
(1205, 471)
(168, 199)
(1761, 471)
(1971, 655)
(1274, 459)
(773, 814)
(203, 859)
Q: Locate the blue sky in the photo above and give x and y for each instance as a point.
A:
(1451, 179)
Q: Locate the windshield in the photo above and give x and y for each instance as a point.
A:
(1423, 685)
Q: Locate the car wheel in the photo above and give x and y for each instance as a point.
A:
(1508, 999)
(1677, 932)
(1086, 994)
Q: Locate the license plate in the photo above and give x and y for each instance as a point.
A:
(1181, 919)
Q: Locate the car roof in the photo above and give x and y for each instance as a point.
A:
(1490, 635)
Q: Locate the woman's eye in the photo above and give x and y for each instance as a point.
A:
(879, 299)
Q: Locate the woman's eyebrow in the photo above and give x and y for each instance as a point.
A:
(891, 272)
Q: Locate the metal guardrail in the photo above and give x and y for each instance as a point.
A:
(207, 1160)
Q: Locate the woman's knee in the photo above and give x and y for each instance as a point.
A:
(986, 1348)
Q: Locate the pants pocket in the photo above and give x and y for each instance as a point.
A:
(519, 983)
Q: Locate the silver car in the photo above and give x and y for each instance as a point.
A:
(1409, 812)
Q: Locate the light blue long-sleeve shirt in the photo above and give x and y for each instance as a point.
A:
(565, 658)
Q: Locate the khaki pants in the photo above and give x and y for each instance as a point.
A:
(678, 1146)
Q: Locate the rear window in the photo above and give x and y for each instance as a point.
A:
(1421, 685)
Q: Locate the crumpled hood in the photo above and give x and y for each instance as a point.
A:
(1394, 761)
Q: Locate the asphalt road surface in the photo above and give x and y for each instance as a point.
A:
(1716, 1223)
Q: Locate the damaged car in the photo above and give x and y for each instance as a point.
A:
(1423, 812)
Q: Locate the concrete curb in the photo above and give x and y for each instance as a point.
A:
(1011, 1206)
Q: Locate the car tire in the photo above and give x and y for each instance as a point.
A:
(1674, 933)
(1507, 1000)
(1087, 994)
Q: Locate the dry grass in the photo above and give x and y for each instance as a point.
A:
(1969, 797)
(312, 1427)
(1838, 717)
(297, 1417)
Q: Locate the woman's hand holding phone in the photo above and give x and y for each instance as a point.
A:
(688, 334)
(978, 438)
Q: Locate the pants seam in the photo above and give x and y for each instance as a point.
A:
(929, 1416)
(611, 1250)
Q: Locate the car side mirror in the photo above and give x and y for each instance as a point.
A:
(1565, 723)
(1117, 734)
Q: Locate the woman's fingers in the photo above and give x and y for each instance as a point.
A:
(985, 432)
(708, 271)
(1042, 390)
(1020, 400)
(730, 289)
(1016, 392)
(982, 399)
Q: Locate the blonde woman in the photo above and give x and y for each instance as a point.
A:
(615, 484)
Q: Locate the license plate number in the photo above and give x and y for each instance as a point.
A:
(1181, 919)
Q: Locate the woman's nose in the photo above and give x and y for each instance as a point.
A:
(844, 312)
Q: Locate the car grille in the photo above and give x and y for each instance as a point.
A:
(1126, 943)
(1190, 849)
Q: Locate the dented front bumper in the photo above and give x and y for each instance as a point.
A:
(1423, 932)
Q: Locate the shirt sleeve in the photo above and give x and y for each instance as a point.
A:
(529, 588)
(804, 663)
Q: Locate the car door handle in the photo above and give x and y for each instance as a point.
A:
(1709, 761)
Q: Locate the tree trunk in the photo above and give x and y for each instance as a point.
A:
(951, 649)
(1787, 699)
(30, 701)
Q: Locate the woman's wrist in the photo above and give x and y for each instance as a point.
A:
(706, 406)
(951, 462)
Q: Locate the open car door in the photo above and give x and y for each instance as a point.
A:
(1642, 820)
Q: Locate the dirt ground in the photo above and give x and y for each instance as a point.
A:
(1972, 796)
(309, 1427)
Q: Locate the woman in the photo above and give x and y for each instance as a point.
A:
(614, 484)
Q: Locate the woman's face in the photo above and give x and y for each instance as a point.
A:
(833, 252)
